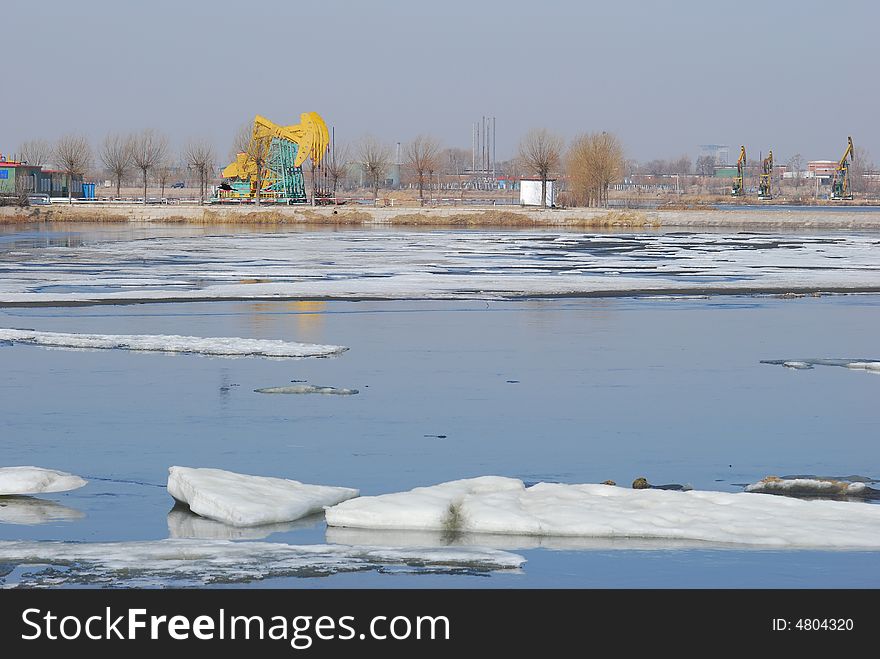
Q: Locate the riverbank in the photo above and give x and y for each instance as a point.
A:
(515, 216)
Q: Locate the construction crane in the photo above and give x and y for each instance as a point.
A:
(738, 189)
(765, 190)
(274, 158)
(840, 186)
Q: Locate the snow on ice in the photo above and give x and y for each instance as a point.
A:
(498, 505)
(200, 562)
(216, 346)
(36, 480)
(437, 264)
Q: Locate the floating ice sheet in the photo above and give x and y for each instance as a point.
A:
(217, 346)
(498, 505)
(202, 562)
(306, 389)
(814, 487)
(438, 264)
(870, 365)
(243, 500)
(36, 480)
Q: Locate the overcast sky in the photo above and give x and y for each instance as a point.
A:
(664, 76)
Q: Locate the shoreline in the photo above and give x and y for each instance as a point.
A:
(450, 217)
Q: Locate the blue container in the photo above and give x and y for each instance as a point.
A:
(88, 191)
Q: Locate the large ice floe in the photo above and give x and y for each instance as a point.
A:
(870, 365)
(243, 500)
(215, 346)
(36, 480)
(497, 505)
(201, 562)
(438, 264)
(815, 488)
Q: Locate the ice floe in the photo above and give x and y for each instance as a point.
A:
(243, 500)
(306, 389)
(36, 480)
(200, 562)
(870, 365)
(497, 505)
(182, 523)
(814, 487)
(30, 511)
(438, 264)
(216, 346)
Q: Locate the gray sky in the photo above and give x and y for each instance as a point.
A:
(664, 76)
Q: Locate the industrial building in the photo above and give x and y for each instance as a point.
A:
(16, 176)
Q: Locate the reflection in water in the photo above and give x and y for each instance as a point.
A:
(411, 539)
(183, 523)
(307, 314)
(30, 510)
(309, 319)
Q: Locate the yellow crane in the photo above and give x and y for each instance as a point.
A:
(765, 186)
(274, 158)
(738, 189)
(840, 186)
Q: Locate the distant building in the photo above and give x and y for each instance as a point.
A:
(720, 153)
(822, 170)
(530, 192)
(18, 176)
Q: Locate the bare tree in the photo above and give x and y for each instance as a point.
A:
(163, 171)
(796, 165)
(116, 154)
(859, 170)
(422, 157)
(24, 186)
(200, 156)
(375, 158)
(455, 163)
(540, 150)
(706, 166)
(73, 156)
(257, 151)
(148, 152)
(594, 162)
(335, 164)
(35, 152)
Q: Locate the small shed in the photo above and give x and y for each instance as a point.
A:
(530, 192)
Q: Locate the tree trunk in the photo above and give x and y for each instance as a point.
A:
(145, 186)
(118, 184)
(70, 188)
(421, 189)
(543, 192)
(259, 182)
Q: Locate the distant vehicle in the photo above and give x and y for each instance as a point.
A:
(178, 184)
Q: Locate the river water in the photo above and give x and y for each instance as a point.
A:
(571, 390)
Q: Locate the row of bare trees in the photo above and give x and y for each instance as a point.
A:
(592, 162)
(146, 152)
